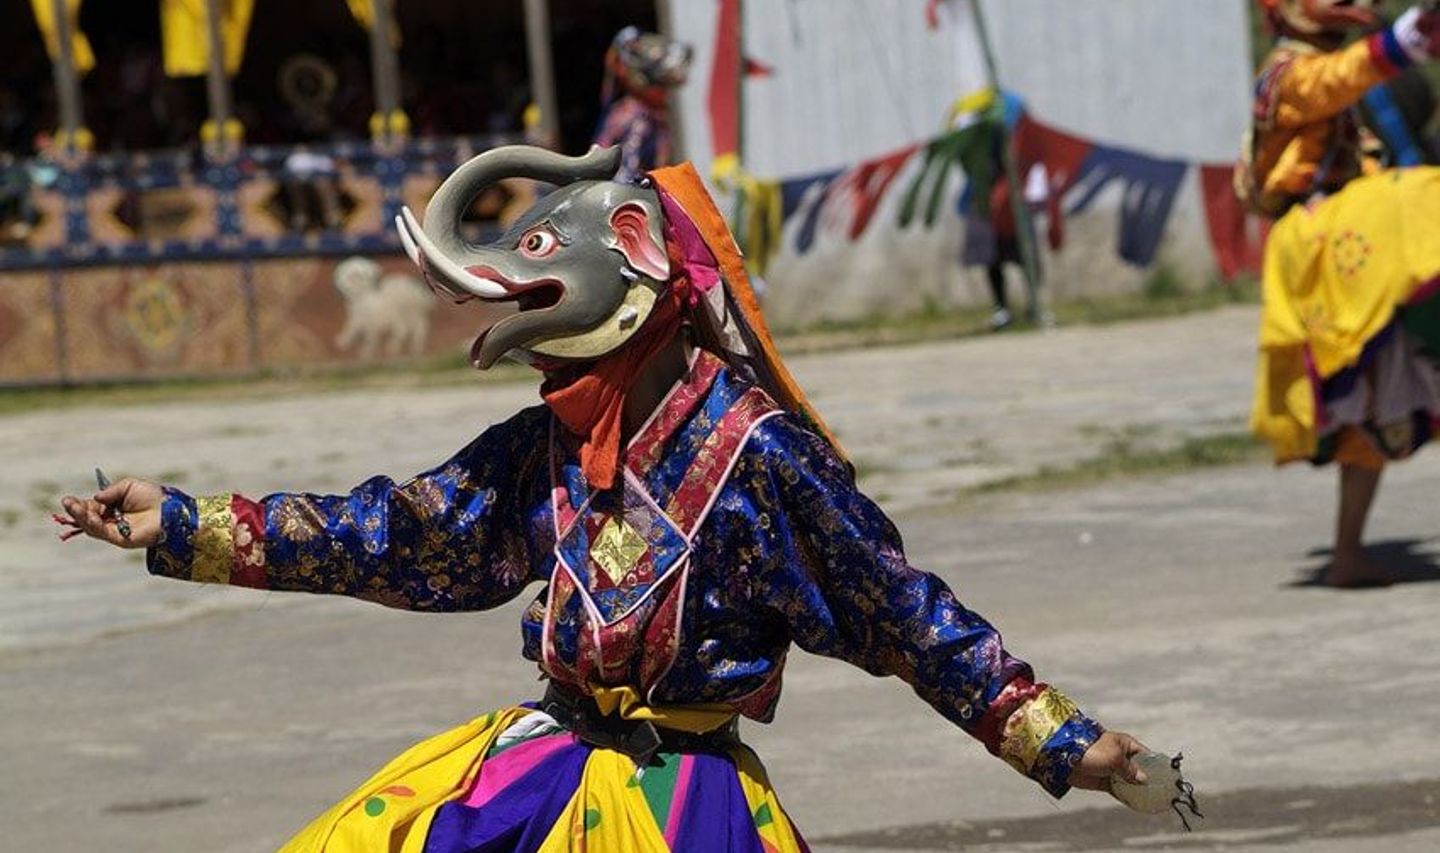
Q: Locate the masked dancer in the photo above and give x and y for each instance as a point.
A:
(687, 512)
(1349, 368)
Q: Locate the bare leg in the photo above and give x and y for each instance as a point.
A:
(1350, 567)
(1001, 317)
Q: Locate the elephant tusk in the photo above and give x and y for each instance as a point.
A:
(406, 240)
(452, 273)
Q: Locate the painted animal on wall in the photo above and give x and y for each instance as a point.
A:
(386, 314)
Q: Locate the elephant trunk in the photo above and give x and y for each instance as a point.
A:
(453, 198)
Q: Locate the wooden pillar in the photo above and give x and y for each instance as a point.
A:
(665, 19)
(542, 68)
(217, 84)
(388, 123)
(72, 131)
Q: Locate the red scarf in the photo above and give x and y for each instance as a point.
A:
(590, 401)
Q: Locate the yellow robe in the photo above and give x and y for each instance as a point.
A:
(1304, 138)
(1335, 271)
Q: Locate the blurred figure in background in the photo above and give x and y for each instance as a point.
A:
(1038, 196)
(1400, 113)
(311, 178)
(17, 213)
(640, 70)
(992, 236)
(1349, 341)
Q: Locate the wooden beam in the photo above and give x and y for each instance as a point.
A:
(542, 68)
(67, 81)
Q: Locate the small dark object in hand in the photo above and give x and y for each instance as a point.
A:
(121, 524)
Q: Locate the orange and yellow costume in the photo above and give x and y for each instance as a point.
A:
(1349, 366)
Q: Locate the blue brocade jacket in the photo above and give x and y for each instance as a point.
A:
(735, 531)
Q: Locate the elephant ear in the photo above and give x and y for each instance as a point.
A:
(635, 232)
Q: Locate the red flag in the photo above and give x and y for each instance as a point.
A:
(724, 96)
(1061, 153)
(932, 14)
(1237, 236)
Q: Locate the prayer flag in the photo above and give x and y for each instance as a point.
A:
(81, 56)
(185, 36)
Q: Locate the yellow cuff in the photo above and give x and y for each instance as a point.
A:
(214, 540)
(1032, 725)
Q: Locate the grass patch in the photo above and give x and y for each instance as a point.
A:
(1156, 299)
(1163, 283)
(434, 373)
(1163, 295)
(1123, 458)
(928, 324)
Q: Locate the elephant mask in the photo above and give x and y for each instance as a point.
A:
(583, 268)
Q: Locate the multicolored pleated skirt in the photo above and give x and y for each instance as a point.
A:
(516, 780)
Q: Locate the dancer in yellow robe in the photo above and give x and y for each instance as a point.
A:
(1349, 367)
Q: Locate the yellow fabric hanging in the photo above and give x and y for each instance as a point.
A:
(970, 104)
(759, 218)
(764, 221)
(185, 35)
(364, 12)
(81, 56)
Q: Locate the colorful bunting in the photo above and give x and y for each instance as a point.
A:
(723, 98)
(1078, 171)
(756, 68)
(1150, 186)
(1062, 154)
(968, 148)
(1237, 236)
(863, 187)
(793, 193)
(760, 214)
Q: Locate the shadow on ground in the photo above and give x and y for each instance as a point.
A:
(1408, 560)
(1285, 816)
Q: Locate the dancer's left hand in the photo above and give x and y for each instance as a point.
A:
(1106, 759)
(96, 516)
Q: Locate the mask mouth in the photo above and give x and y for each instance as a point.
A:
(530, 296)
(463, 284)
(526, 295)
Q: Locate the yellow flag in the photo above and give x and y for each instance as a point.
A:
(81, 56)
(364, 12)
(185, 35)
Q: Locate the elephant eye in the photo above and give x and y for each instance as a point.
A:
(539, 243)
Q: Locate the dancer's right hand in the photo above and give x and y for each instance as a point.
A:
(95, 516)
(1418, 31)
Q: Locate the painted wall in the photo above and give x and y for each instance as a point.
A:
(855, 78)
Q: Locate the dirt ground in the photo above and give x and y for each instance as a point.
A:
(142, 715)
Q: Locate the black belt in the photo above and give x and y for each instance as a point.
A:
(639, 739)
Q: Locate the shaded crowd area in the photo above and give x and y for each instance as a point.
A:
(307, 76)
